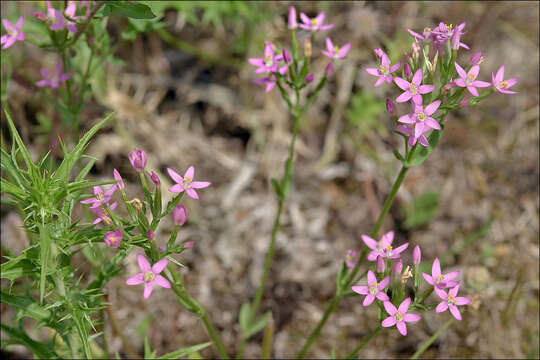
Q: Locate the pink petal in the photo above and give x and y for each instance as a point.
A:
(512, 81)
(379, 81)
(192, 193)
(20, 22)
(326, 27)
(388, 238)
(402, 83)
(462, 300)
(404, 306)
(372, 244)
(320, 18)
(329, 45)
(402, 328)
(417, 77)
(432, 123)
(135, 279)
(177, 178)
(200, 184)
(305, 19)
(455, 311)
(383, 283)
(395, 67)
(372, 256)
(428, 279)
(404, 97)
(327, 54)
(3, 38)
(480, 83)
(472, 90)
(371, 279)
(344, 50)
(70, 10)
(451, 275)
(42, 83)
(440, 293)
(460, 82)
(362, 290)
(443, 305)
(389, 321)
(8, 25)
(160, 265)
(423, 140)
(178, 188)
(474, 71)
(190, 172)
(411, 317)
(148, 287)
(368, 300)
(406, 119)
(390, 308)
(382, 296)
(161, 281)
(144, 265)
(256, 61)
(372, 71)
(460, 71)
(10, 41)
(400, 249)
(436, 268)
(431, 108)
(424, 89)
(500, 74)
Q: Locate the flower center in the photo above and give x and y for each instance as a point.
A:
(504, 84)
(314, 21)
(268, 61)
(149, 276)
(439, 279)
(427, 30)
(373, 288)
(421, 116)
(450, 300)
(413, 89)
(113, 239)
(449, 27)
(398, 316)
(99, 196)
(389, 250)
(383, 69)
(470, 78)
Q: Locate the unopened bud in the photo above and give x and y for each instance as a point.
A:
(380, 264)
(286, 56)
(189, 244)
(329, 69)
(309, 78)
(155, 179)
(391, 107)
(407, 70)
(293, 24)
(137, 204)
(151, 235)
(379, 53)
(397, 267)
(417, 255)
(307, 47)
(415, 50)
(180, 214)
(477, 58)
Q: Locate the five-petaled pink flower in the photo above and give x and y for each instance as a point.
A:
(14, 32)
(149, 275)
(137, 158)
(444, 32)
(315, 24)
(421, 119)
(502, 85)
(269, 64)
(373, 289)
(413, 89)
(100, 198)
(101, 215)
(335, 52)
(53, 78)
(437, 279)
(451, 301)
(113, 238)
(186, 183)
(468, 80)
(383, 247)
(385, 69)
(399, 316)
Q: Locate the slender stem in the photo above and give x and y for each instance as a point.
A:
(430, 341)
(353, 353)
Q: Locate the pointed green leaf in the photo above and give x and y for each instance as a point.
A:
(256, 326)
(183, 352)
(40, 350)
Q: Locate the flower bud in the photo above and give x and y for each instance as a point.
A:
(138, 159)
(380, 264)
(477, 58)
(351, 258)
(155, 179)
(137, 204)
(329, 69)
(286, 56)
(454, 41)
(407, 70)
(407, 57)
(292, 18)
(397, 267)
(180, 214)
(464, 103)
(307, 47)
(118, 178)
(189, 244)
(151, 235)
(415, 50)
(379, 53)
(417, 255)
(391, 107)
(309, 78)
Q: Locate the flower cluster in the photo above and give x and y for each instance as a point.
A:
(382, 253)
(121, 235)
(434, 49)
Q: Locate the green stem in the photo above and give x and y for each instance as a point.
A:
(353, 353)
(430, 341)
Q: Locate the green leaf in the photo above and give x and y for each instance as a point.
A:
(17, 139)
(148, 353)
(27, 304)
(277, 188)
(243, 317)
(183, 352)
(130, 9)
(422, 152)
(256, 326)
(421, 210)
(16, 268)
(40, 350)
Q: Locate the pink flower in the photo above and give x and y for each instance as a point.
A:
(468, 80)
(186, 183)
(399, 316)
(14, 32)
(155, 179)
(500, 84)
(413, 89)
(444, 32)
(385, 69)
(315, 24)
(373, 290)
(54, 78)
(269, 64)
(101, 215)
(113, 238)
(383, 248)
(270, 82)
(137, 158)
(118, 178)
(149, 275)
(100, 198)
(408, 130)
(351, 258)
(450, 301)
(425, 35)
(437, 279)
(421, 119)
(293, 24)
(335, 52)
(60, 21)
(417, 255)
(180, 214)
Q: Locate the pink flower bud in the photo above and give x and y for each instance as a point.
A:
(398, 267)
(189, 244)
(292, 18)
(151, 235)
(286, 56)
(415, 50)
(391, 107)
(380, 264)
(138, 159)
(407, 70)
(329, 69)
(407, 57)
(180, 214)
(379, 53)
(477, 58)
(351, 258)
(309, 78)
(155, 179)
(118, 178)
(417, 255)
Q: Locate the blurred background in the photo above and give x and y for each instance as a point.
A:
(182, 90)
